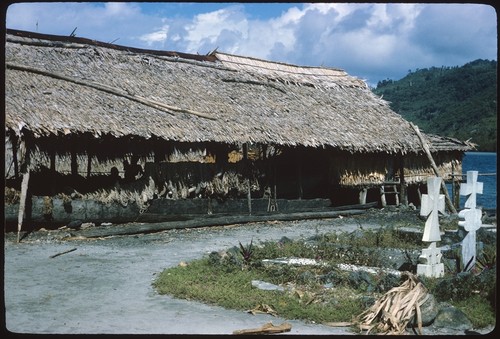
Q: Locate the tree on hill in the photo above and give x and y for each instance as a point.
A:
(458, 102)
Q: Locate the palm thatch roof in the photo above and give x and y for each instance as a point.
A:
(66, 85)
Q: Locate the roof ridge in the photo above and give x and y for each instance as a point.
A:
(278, 62)
(73, 39)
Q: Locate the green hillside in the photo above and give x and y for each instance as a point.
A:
(459, 102)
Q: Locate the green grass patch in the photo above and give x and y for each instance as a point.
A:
(200, 280)
(318, 293)
(480, 313)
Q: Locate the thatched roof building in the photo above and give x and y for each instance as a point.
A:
(69, 95)
(61, 85)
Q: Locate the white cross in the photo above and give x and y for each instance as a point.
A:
(471, 188)
(472, 218)
(432, 204)
(471, 224)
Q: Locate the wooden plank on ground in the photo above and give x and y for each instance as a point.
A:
(208, 220)
(268, 328)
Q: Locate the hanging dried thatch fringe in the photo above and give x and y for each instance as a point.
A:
(111, 90)
(394, 310)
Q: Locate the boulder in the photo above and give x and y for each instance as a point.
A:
(429, 310)
(452, 318)
(75, 224)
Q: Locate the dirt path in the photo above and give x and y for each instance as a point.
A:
(104, 286)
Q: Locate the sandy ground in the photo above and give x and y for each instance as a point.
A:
(105, 285)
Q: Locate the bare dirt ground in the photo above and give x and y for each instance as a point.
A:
(104, 285)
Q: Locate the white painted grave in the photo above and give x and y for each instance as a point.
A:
(471, 188)
(432, 204)
(433, 267)
(472, 218)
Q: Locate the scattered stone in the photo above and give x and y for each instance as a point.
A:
(262, 285)
(452, 318)
(285, 240)
(75, 224)
(230, 258)
(372, 270)
(292, 261)
(362, 280)
(87, 225)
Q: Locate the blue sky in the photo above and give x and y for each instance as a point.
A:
(368, 40)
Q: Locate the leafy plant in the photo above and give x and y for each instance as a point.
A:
(246, 252)
(487, 259)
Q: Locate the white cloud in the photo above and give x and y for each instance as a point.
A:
(226, 26)
(373, 41)
(156, 37)
(121, 9)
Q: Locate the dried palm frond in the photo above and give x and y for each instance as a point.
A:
(394, 310)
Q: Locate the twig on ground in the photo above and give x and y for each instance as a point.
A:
(61, 253)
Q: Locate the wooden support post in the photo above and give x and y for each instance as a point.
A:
(24, 187)
(434, 167)
(249, 197)
(245, 151)
(13, 141)
(275, 194)
(74, 163)
(402, 183)
(22, 202)
(456, 178)
(362, 195)
(456, 194)
(52, 161)
(89, 164)
(247, 169)
(382, 196)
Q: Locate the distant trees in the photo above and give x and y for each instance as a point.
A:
(459, 102)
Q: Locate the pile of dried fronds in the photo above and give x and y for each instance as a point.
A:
(391, 313)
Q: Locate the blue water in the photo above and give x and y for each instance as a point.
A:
(483, 162)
